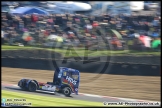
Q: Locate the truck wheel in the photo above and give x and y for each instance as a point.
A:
(67, 91)
(32, 86)
(22, 86)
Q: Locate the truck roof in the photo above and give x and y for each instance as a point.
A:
(69, 69)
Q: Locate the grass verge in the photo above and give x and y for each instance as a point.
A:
(82, 52)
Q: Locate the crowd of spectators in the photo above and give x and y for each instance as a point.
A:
(81, 30)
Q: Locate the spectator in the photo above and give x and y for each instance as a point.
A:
(84, 28)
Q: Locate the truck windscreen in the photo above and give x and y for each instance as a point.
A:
(75, 75)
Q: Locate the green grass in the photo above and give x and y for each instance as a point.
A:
(37, 100)
(82, 52)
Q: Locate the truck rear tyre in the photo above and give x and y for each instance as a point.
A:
(32, 86)
(66, 91)
(22, 86)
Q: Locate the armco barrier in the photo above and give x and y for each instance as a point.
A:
(48, 55)
(41, 59)
(37, 53)
(115, 68)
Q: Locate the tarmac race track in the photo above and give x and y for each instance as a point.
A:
(76, 97)
(94, 98)
(135, 87)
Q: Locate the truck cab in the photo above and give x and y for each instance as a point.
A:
(65, 80)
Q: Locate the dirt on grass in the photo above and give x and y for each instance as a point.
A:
(137, 87)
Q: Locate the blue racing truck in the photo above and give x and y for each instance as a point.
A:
(65, 81)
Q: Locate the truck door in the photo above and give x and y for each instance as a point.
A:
(71, 78)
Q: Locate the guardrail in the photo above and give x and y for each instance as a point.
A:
(93, 67)
(122, 65)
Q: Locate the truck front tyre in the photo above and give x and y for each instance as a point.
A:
(32, 86)
(66, 91)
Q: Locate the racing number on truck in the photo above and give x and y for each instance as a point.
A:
(49, 87)
(46, 87)
(71, 80)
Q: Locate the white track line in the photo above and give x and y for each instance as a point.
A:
(99, 96)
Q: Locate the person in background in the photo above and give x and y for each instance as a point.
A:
(156, 44)
(2, 37)
(34, 18)
(10, 19)
(155, 22)
(79, 21)
(10, 38)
